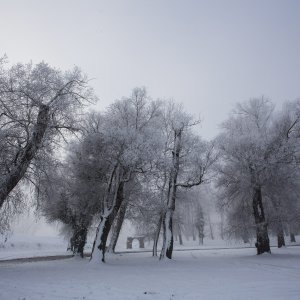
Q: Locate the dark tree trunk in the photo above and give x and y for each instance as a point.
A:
(292, 234)
(280, 239)
(168, 241)
(109, 221)
(168, 235)
(117, 227)
(104, 236)
(106, 223)
(156, 237)
(280, 235)
(78, 239)
(25, 156)
(262, 244)
(292, 237)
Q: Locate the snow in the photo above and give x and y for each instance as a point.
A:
(22, 245)
(197, 274)
(211, 272)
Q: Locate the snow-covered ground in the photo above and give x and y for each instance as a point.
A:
(22, 245)
(207, 273)
(202, 274)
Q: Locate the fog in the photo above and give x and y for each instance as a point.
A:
(205, 54)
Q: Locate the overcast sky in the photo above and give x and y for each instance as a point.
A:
(205, 54)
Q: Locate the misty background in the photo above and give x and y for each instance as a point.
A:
(206, 54)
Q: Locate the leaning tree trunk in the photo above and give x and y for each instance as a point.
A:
(117, 228)
(263, 243)
(156, 237)
(25, 156)
(167, 248)
(106, 220)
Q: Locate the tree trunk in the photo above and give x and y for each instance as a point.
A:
(78, 240)
(104, 227)
(200, 234)
(263, 243)
(167, 248)
(25, 156)
(117, 227)
(292, 237)
(156, 237)
(179, 234)
(280, 235)
(292, 234)
(280, 239)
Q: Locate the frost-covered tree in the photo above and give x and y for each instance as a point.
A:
(245, 145)
(188, 159)
(282, 191)
(256, 152)
(38, 105)
(128, 131)
(69, 193)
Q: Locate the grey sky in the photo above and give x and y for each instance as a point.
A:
(205, 54)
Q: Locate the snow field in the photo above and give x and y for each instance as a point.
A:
(199, 274)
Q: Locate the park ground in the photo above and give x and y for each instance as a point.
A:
(192, 274)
